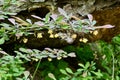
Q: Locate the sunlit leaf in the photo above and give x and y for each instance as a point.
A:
(36, 51)
(51, 76)
(3, 52)
(23, 50)
(80, 70)
(72, 55)
(87, 65)
(63, 72)
(69, 70)
(49, 49)
(81, 65)
(52, 56)
(2, 40)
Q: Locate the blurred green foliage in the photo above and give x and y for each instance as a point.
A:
(83, 52)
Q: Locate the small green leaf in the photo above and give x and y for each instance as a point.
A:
(63, 71)
(36, 51)
(65, 27)
(26, 50)
(51, 76)
(98, 74)
(116, 40)
(93, 23)
(47, 18)
(2, 40)
(23, 50)
(9, 13)
(59, 19)
(19, 54)
(87, 65)
(69, 70)
(80, 70)
(81, 65)
(6, 2)
(6, 26)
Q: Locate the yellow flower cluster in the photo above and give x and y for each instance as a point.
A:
(94, 32)
(84, 40)
(50, 31)
(52, 35)
(74, 36)
(59, 58)
(25, 40)
(49, 59)
(39, 35)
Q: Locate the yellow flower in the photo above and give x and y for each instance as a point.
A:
(51, 36)
(56, 35)
(50, 31)
(95, 32)
(80, 39)
(91, 32)
(39, 35)
(103, 56)
(74, 36)
(49, 59)
(25, 40)
(58, 58)
(35, 59)
(85, 40)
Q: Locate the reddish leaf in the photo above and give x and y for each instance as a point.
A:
(90, 17)
(39, 23)
(12, 20)
(54, 16)
(105, 26)
(37, 17)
